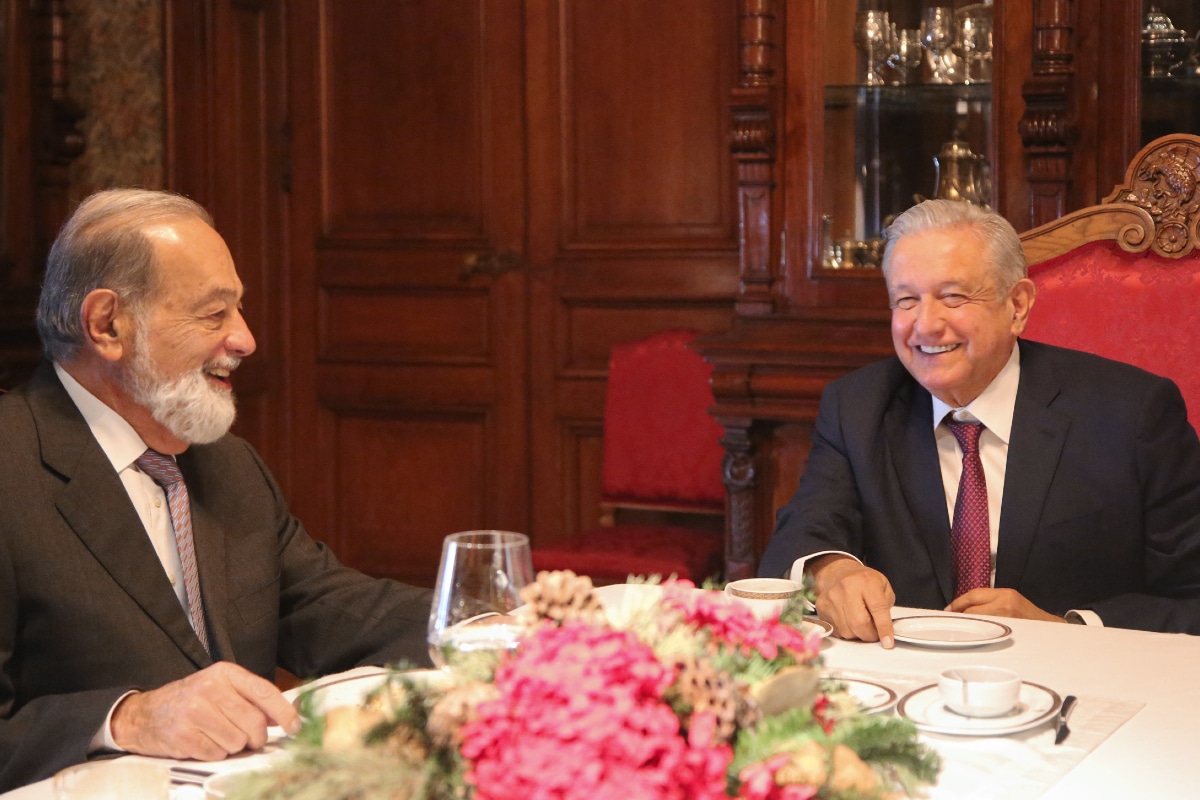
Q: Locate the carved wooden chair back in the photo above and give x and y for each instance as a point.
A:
(1121, 279)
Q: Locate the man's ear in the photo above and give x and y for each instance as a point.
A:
(106, 327)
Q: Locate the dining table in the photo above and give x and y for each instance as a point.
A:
(1132, 729)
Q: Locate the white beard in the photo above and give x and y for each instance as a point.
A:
(190, 407)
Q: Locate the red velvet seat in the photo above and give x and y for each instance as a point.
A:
(662, 455)
(1122, 279)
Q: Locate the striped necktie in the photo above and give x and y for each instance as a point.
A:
(166, 474)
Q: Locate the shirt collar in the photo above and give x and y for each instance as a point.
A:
(117, 438)
(995, 405)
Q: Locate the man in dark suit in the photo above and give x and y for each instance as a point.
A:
(139, 612)
(1076, 498)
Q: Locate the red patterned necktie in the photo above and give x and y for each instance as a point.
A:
(166, 474)
(970, 535)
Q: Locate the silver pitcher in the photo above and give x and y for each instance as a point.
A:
(959, 173)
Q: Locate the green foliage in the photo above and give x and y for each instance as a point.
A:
(773, 735)
(890, 744)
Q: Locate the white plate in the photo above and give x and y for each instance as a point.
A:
(949, 631)
(925, 709)
(871, 697)
(350, 688)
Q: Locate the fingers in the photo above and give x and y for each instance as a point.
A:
(1000, 603)
(859, 605)
(218, 711)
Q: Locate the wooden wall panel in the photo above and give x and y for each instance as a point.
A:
(444, 458)
(646, 125)
(592, 330)
(404, 325)
(403, 119)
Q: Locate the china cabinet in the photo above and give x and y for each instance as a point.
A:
(832, 136)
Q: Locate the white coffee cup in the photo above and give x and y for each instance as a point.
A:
(113, 780)
(766, 597)
(980, 691)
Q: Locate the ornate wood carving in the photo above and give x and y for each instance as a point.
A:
(740, 479)
(1047, 127)
(1157, 207)
(755, 116)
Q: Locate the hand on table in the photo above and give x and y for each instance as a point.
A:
(1000, 603)
(221, 710)
(856, 599)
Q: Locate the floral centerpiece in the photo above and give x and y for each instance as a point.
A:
(686, 696)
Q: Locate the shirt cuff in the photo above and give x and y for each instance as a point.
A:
(1084, 616)
(103, 739)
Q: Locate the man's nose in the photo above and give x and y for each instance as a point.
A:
(928, 317)
(240, 342)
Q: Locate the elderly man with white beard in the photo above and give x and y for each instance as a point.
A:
(151, 575)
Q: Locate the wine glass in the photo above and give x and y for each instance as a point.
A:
(479, 582)
(974, 42)
(872, 32)
(937, 34)
(906, 53)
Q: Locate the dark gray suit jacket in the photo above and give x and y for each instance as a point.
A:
(1101, 504)
(87, 612)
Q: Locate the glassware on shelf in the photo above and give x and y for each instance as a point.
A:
(974, 43)
(905, 56)
(1163, 45)
(938, 37)
(872, 36)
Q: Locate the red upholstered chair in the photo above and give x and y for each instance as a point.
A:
(662, 456)
(1122, 279)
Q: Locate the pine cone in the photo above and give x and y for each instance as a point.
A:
(561, 596)
(703, 688)
(455, 709)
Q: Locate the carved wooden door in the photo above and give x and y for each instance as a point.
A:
(406, 279)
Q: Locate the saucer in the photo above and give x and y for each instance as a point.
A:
(821, 626)
(924, 708)
(871, 697)
(949, 631)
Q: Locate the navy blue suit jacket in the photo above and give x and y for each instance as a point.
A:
(1101, 504)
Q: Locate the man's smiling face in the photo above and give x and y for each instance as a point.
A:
(951, 325)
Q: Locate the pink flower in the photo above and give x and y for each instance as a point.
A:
(580, 714)
(758, 782)
(735, 626)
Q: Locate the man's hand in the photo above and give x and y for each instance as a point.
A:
(856, 599)
(220, 710)
(1000, 603)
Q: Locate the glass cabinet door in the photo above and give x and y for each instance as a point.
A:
(1170, 101)
(907, 116)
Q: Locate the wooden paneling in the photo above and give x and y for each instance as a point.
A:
(445, 455)
(407, 157)
(404, 118)
(633, 224)
(646, 122)
(399, 325)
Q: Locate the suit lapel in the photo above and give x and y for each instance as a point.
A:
(1038, 436)
(94, 503)
(909, 430)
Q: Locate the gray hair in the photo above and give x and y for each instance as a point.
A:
(103, 246)
(1002, 250)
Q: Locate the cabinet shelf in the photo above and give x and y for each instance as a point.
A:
(922, 95)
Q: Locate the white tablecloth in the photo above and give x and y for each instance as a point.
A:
(1134, 732)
